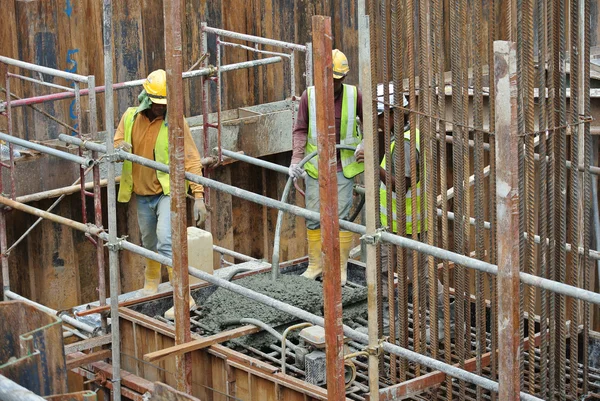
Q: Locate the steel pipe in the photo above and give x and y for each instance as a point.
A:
(390, 238)
(83, 161)
(263, 299)
(233, 254)
(66, 318)
(40, 82)
(111, 200)
(44, 70)
(255, 39)
(11, 391)
(139, 82)
(255, 161)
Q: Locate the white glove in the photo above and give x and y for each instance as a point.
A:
(361, 146)
(295, 171)
(125, 147)
(200, 212)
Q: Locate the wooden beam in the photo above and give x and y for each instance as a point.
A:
(88, 344)
(201, 343)
(88, 358)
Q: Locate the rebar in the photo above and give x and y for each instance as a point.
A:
(542, 187)
(588, 151)
(576, 212)
(477, 17)
(559, 288)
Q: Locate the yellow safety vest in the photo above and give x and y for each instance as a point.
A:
(161, 155)
(349, 133)
(408, 204)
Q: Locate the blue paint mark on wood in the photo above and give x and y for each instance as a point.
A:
(69, 8)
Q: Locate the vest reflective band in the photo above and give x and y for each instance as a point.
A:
(161, 155)
(349, 133)
(408, 203)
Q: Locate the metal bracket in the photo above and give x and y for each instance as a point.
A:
(117, 245)
(114, 157)
(378, 350)
(373, 239)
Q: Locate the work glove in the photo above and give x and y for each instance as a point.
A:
(200, 212)
(359, 153)
(295, 171)
(125, 147)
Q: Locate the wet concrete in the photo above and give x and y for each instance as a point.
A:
(222, 309)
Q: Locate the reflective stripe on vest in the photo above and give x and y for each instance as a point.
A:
(408, 202)
(349, 133)
(161, 155)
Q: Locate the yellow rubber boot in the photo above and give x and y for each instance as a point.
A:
(315, 266)
(345, 246)
(151, 279)
(170, 314)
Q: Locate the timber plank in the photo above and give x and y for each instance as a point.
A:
(201, 343)
(88, 344)
(88, 358)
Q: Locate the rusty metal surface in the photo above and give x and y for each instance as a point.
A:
(173, 12)
(507, 197)
(32, 348)
(326, 139)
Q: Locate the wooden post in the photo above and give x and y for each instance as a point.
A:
(181, 288)
(334, 336)
(507, 196)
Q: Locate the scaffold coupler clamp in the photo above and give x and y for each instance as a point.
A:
(117, 245)
(378, 350)
(373, 239)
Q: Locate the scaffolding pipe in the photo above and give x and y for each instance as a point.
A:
(40, 82)
(111, 201)
(44, 70)
(11, 391)
(255, 39)
(65, 318)
(263, 299)
(480, 265)
(139, 82)
(82, 161)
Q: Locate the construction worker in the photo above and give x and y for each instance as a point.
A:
(143, 132)
(348, 106)
(409, 192)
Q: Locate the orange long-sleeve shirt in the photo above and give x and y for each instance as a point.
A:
(143, 137)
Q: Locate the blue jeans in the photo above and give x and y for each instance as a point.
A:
(345, 187)
(154, 219)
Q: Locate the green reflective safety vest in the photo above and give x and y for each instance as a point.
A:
(161, 155)
(349, 133)
(408, 203)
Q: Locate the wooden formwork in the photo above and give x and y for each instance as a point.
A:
(218, 373)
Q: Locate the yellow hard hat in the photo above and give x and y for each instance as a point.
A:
(340, 64)
(156, 86)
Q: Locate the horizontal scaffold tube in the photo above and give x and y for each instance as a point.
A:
(480, 265)
(266, 300)
(139, 82)
(83, 161)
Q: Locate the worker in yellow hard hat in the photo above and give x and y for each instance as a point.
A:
(143, 132)
(348, 107)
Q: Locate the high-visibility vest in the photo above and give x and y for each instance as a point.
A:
(161, 155)
(349, 133)
(408, 204)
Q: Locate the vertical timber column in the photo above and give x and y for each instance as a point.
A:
(111, 199)
(332, 299)
(507, 197)
(181, 292)
(371, 186)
